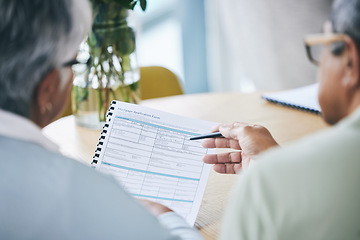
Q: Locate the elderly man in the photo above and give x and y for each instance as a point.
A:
(44, 195)
(310, 189)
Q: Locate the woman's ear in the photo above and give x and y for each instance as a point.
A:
(351, 79)
(45, 92)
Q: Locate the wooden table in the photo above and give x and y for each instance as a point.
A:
(285, 124)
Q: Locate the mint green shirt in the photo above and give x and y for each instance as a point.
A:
(307, 190)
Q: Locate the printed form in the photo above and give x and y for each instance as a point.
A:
(150, 153)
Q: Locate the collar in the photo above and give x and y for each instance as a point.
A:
(18, 127)
(352, 119)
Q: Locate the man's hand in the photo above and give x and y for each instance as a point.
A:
(250, 139)
(154, 208)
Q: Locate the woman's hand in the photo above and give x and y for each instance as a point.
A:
(251, 140)
(154, 208)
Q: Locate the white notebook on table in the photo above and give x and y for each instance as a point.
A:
(303, 98)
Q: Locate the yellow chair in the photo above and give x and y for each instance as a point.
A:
(155, 82)
(158, 82)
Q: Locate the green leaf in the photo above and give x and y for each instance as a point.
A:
(128, 4)
(132, 5)
(125, 3)
(143, 4)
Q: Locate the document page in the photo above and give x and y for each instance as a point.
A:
(150, 153)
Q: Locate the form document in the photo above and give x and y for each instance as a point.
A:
(150, 154)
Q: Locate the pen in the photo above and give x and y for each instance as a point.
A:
(209, 135)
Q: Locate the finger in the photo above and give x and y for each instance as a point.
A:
(154, 207)
(231, 131)
(238, 167)
(223, 125)
(222, 158)
(227, 143)
(225, 168)
(215, 128)
(208, 143)
(220, 143)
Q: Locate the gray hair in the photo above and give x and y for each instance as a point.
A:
(35, 37)
(345, 18)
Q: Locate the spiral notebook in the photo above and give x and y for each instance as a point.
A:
(303, 98)
(150, 154)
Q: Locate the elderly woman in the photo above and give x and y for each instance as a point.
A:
(309, 189)
(44, 195)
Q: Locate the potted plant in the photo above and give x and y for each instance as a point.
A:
(111, 71)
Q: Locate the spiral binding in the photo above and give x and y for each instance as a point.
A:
(103, 134)
(301, 108)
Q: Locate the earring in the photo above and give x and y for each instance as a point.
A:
(48, 107)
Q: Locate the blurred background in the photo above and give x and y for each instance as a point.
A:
(230, 45)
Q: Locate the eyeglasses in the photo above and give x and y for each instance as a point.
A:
(314, 45)
(80, 64)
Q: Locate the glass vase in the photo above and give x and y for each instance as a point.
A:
(113, 73)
